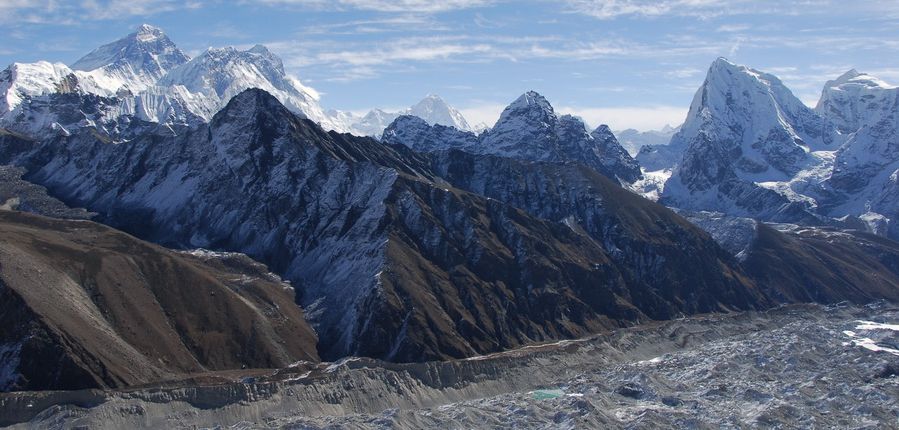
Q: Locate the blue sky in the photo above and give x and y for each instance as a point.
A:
(625, 63)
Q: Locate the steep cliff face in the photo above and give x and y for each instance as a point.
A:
(655, 249)
(87, 306)
(864, 181)
(745, 140)
(793, 263)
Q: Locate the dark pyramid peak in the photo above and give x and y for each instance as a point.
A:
(572, 128)
(405, 121)
(529, 115)
(572, 120)
(531, 100)
(260, 49)
(603, 132)
(249, 104)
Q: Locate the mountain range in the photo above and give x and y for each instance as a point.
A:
(145, 76)
(528, 129)
(432, 109)
(214, 201)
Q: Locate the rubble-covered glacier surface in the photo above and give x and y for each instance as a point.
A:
(801, 366)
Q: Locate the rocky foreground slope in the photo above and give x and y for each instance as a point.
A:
(806, 366)
(86, 306)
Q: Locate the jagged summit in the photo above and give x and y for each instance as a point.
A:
(744, 128)
(854, 77)
(435, 110)
(724, 73)
(854, 99)
(845, 77)
(260, 49)
(529, 101)
(603, 131)
(147, 32)
(528, 129)
(135, 61)
(148, 29)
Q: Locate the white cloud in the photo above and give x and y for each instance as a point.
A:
(733, 28)
(344, 58)
(404, 6)
(704, 9)
(73, 12)
(393, 23)
(401, 53)
(609, 9)
(684, 73)
(365, 60)
(115, 9)
(484, 112)
(623, 117)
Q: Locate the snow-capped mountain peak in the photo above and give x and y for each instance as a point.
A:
(146, 76)
(133, 62)
(436, 111)
(855, 99)
(530, 101)
(745, 106)
(744, 128)
(432, 109)
(525, 129)
(845, 77)
(854, 77)
(148, 33)
(218, 74)
(21, 80)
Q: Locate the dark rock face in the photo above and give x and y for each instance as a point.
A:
(824, 265)
(652, 247)
(793, 263)
(21, 195)
(417, 134)
(614, 156)
(86, 306)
